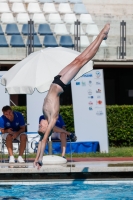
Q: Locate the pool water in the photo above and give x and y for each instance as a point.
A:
(73, 191)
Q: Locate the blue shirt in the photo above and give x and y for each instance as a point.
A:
(59, 123)
(15, 124)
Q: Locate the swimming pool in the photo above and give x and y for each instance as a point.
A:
(76, 190)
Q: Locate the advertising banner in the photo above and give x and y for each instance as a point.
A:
(90, 108)
(34, 110)
(4, 97)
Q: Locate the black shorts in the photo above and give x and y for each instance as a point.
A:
(59, 82)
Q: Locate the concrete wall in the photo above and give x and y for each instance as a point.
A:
(113, 12)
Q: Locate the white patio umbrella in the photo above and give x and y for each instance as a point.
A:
(38, 70)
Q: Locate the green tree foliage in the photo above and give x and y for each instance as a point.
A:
(119, 120)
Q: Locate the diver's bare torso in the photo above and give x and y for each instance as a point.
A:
(51, 102)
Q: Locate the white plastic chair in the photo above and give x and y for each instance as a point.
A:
(15, 1)
(60, 29)
(64, 8)
(3, 1)
(18, 8)
(84, 41)
(7, 18)
(34, 8)
(39, 18)
(92, 29)
(23, 18)
(54, 18)
(86, 19)
(72, 30)
(4, 8)
(49, 8)
(30, 1)
(103, 44)
(70, 18)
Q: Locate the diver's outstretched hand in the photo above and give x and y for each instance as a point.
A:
(39, 164)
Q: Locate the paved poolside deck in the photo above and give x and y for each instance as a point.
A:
(79, 168)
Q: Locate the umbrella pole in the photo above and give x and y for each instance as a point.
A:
(50, 146)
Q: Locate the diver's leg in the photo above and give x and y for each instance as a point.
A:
(72, 69)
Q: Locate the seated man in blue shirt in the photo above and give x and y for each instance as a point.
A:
(59, 132)
(12, 126)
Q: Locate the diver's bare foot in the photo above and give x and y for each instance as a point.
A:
(105, 31)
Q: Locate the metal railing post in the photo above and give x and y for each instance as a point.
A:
(122, 39)
(77, 35)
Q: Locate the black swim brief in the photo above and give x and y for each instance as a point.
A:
(42, 135)
(59, 82)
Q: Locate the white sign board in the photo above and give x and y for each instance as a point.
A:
(90, 108)
(34, 110)
(4, 97)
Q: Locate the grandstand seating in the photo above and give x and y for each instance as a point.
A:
(12, 29)
(1, 31)
(44, 29)
(92, 29)
(60, 29)
(72, 30)
(36, 42)
(18, 8)
(60, 1)
(86, 19)
(23, 18)
(79, 8)
(75, 1)
(30, 1)
(15, 1)
(33, 8)
(69, 18)
(66, 41)
(4, 7)
(50, 41)
(84, 41)
(49, 8)
(39, 18)
(25, 30)
(54, 18)
(7, 18)
(46, 1)
(17, 41)
(64, 8)
(3, 42)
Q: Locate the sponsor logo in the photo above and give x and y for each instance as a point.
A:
(90, 92)
(90, 83)
(90, 103)
(98, 74)
(83, 83)
(77, 83)
(98, 91)
(87, 75)
(98, 96)
(98, 83)
(8, 123)
(99, 112)
(90, 108)
(90, 97)
(17, 124)
(99, 102)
